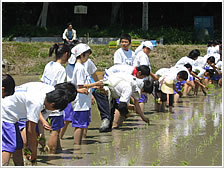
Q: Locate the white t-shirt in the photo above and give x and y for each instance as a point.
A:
(162, 72)
(175, 69)
(200, 61)
(184, 60)
(142, 59)
(210, 50)
(219, 65)
(54, 73)
(124, 57)
(89, 65)
(120, 68)
(26, 103)
(81, 77)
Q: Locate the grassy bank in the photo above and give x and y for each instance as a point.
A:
(30, 58)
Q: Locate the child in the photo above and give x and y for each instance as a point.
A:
(167, 85)
(124, 55)
(123, 86)
(54, 73)
(142, 58)
(82, 104)
(101, 99)
(192, 56)
(8, 85)
(26, 104)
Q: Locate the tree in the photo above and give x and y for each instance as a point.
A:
(42, 21)
(114, 12)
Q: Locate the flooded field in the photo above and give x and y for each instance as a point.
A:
(192, 136)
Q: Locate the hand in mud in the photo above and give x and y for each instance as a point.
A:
(145, 119)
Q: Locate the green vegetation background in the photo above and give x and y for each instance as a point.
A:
(27, 58)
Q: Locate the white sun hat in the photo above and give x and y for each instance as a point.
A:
(148, 44)
(167, 87)
(77, 51)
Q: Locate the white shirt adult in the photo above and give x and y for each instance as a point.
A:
(122, 56)
(26, 103)
(142, 59)
(81, 77)
(54, 73)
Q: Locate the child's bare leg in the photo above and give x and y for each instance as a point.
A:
(18, 158)
(84, 133)
(176, 98)
(5, 158)
(78, 135)
(116, 119)
(53, 140)
(62, 132)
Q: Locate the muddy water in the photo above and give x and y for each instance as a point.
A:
(192, 136)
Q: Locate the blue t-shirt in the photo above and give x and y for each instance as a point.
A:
(69, 35)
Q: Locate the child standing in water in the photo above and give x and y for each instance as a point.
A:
(54, 73)
(82, 104)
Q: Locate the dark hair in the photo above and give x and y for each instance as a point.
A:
(209, 43)
(148, 86)
(211, 72)
(70, 87)
(125, 36)
(9, 84)
(183, 74)
(84, 53)
(211, 59)
(145, 70)
(63, 94)
(60, 50)
(194, 54)
(69, 23)
(188, 65)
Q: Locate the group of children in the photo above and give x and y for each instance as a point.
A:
(53, 104)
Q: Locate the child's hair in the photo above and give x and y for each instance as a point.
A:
(188, 65)
(183, 74)
(84, 53)
(194, 54)
(211, 72)
(209, 43)
(63, 94)
(145, 70)
(125, 36)
(148, 86)
(60, 50)
(211, 59)
(215, 42)
(9, 84)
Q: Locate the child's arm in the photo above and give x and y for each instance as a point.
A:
(31, 139)
(44, 122)
(154, 76)
(139, 111)
(214, 68)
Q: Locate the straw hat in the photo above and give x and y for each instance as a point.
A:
(167, 87)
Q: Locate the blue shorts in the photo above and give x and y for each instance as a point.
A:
(179, 86)
(143, 98)
(11, 137)
(117, 101)
(81, 119)
(57, 122)
(68, 112)
(216, 77)
(22, 125)
(191, 78)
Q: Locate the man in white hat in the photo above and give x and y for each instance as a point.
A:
(123, 86)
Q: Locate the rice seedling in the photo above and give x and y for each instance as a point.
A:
(184, 163)
(156, 163)
(131, 162)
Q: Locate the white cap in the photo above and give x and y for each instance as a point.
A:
(148, 44)
(76, 51)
